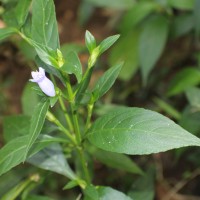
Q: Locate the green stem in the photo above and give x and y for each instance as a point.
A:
(88, 121)
(54, 120)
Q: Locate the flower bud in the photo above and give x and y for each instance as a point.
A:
(44, 83)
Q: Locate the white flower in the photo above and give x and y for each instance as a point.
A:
(44, 83)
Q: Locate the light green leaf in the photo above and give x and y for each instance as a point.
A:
(117, 161)
(129, 55)
(6, 32)
(107, 43)
(53, 159)
(152, 43)
(184, 79)
(15, 126)
(13, 153)
(106, 81)
(193, 96)
(21, 11)
(90, 41)
(138, 131)
(73, 65)
(44, 24)
(115, 4)
(36, 124)
(182, 4)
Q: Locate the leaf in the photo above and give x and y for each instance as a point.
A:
(36, 124)
(6, 32)
(182, 4)
(129, 55)
(196, 14)
(15, 126)
(53, 159)
(138, 131)
(107, 43)
(117, 161)
(73, 65)
(115, 4)
(106, 81)
(29, 99)
(184, 79)
(193, 96)
(90, 41)
(152, 43)
(13, 153)
(37, 197)
(21, 11)
(136, 14)
(44, 24)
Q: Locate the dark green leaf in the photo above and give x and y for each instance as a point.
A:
(73, 65)
(106, 81)
(44, 24)
(36, 124)
(21, 11)
(182, 4)
(152, 43)
(90, 41)
(138, 131)
(107, 43)
(184, 79)
(117, 161)
(15, 126)
(37, 197)
(6, 32)
(53, 159)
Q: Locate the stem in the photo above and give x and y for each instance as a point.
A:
(88, 121)
(53, 119)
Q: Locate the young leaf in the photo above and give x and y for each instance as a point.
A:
(106, 81)
(183, 80)
(73, 65)
(117, 161)
(138, 131)
(21, 11)
(52, 158)
(90, 41)
(107, 43)
(152, 43)
(36, 124)
(15, 126)
(44, 25)
(6, 32)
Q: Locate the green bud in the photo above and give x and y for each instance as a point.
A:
(93, 57)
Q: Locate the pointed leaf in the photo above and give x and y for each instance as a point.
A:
(138, 131)
(44, 24)
(106, 81)
(36, 124)
(152, 43)
(90, 41)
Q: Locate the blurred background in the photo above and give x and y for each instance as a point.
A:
(159, 44)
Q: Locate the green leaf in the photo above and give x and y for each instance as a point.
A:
(21, 11)
(107, 43)
(117, 161)
(193, 96)
(184, 79)
(91, 193)
(37, 197)
(106, 81)
(138, 131)
(53, 159)
(29, 99)
(90, 41)
(107, 193)
(6, 32)
(115, 4)
(13, 153)
(152, 43)
(196, 14)
(182, 4)
(73, 65)
(15, 126)
(36, 124)
(44, 24)
(136, 14)
(129, 55)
